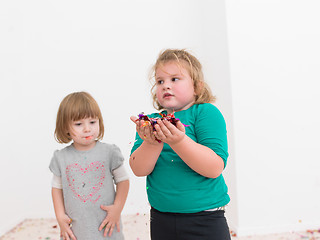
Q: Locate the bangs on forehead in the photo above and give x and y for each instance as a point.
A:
(85, 109)
(74, 107)
(181, 63)
(181, 58)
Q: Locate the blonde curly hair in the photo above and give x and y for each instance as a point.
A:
(187, 61)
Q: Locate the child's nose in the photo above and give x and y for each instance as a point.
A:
(166, 85)
(86, 127)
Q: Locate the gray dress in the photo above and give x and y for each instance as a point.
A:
(87, 184)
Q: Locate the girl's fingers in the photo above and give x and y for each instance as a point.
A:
(108, 228)
(101, 226)
(66, 236)
(158, 133)
(133, 119)
(180, 126)
(138, 124)
(172, 129)
(164, 128)
(141, 126)
(118, 226)
(168, 127)
(72, 236)
(144, 129)
(150, 131)
(143, 132)
(111, 230)
(146, 132)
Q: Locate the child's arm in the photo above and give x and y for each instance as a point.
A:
(62, 218)
(114, 211)
(200, 158)
(144, 158)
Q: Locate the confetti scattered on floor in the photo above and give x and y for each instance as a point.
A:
(306, 235)
(135, 227)
(42, 229)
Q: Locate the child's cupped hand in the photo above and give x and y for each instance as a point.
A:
(65, 228)
(168, 133)
(145, 130)
(112, 219)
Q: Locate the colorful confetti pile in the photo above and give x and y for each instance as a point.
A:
(153, 121)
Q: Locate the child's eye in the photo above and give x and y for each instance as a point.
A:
(93, 122)
(159, 82)
(174, 79)
(77, 124)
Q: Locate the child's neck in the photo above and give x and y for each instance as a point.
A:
(81, 147)
(172, 110)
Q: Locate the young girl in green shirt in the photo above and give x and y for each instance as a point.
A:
(183, 165)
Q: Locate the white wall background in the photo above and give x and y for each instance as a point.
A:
(274, 70)
(266, 80)
(51, 48)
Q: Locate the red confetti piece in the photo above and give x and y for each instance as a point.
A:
(233, 234)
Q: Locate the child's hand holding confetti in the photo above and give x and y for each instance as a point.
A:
(145, 130)
(144, 121)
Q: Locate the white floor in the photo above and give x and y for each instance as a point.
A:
(135, 227)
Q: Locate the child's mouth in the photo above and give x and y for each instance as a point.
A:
(88, 138)
(167, 95)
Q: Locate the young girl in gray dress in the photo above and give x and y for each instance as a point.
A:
(86, 204)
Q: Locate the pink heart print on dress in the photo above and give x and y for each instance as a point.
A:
(85, 182)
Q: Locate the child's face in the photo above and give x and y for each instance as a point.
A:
(174, 87)
(84, 133)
